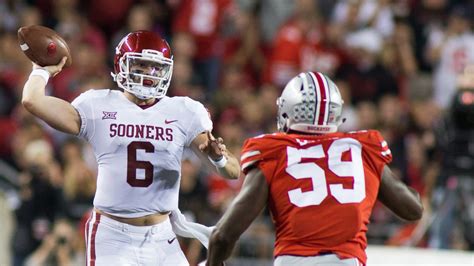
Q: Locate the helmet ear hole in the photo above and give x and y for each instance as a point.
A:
(286, 125)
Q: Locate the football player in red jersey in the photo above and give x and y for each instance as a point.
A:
(320, 185)
(138, 136)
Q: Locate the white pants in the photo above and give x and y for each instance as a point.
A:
(109, 242)
(323, 260)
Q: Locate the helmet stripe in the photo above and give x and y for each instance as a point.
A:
(322, 99)
(328, 98)
(308, 78)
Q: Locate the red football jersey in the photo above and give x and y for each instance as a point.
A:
(321, 188)
(202, 19)
(295, 51)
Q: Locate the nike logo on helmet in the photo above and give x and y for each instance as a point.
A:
(169, 121)
(171, 240)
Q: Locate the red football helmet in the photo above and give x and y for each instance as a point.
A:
(143, 64)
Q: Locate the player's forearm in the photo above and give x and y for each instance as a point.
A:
(220, 249)
(244, 209)
(34, 98)
(33, 90)
(231, 170)
(57, 113)
(404, 201)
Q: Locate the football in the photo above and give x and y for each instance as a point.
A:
(43, 45)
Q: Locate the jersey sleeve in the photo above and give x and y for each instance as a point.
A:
(199, 121)
(377, 150)
(255, 152)
(83, 105)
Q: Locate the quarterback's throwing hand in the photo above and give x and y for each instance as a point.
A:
(213, 147)
(54, 69)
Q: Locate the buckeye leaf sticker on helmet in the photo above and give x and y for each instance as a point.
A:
(310, 102)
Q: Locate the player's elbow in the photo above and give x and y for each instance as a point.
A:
(415, 212)
(412, 211)
(28, 103)
(415, 208)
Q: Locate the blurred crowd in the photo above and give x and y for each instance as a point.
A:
(399, 65)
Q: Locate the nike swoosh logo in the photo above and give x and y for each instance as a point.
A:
(171, 240)
(169, 121)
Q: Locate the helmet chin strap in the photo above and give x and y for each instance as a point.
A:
(282, 124)
(286, 126)
(141, 97)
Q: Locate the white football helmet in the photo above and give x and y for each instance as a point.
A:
(310, 103)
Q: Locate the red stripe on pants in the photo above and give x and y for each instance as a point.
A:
(86, 237)
(93, 233)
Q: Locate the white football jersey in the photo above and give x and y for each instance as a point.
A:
(138, 150)
(457, 53)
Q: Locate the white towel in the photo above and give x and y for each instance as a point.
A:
(187, 229)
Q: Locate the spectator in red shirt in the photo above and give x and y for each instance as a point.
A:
(201, 20)
(305, 42)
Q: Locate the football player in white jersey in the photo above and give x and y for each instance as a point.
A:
(138, 136)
